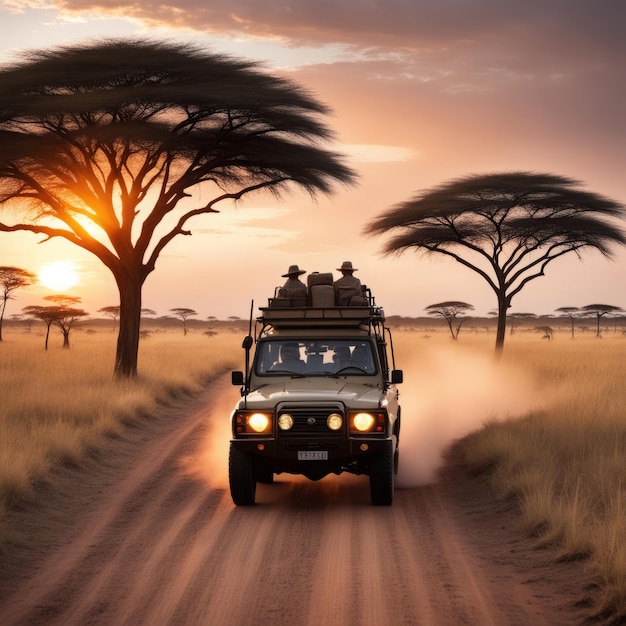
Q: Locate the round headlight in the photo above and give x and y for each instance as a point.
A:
(334, 421)
(363, 421)
(259, 422)
(285, 421)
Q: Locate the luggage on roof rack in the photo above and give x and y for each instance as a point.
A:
(327, 316)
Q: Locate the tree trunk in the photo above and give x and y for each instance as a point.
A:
(129, 320)
(503, 305)
(2, 307)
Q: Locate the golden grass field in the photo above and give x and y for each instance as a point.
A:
(58, 404)
(563, 459)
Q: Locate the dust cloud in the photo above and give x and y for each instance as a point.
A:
(446, 395)
(209, 462)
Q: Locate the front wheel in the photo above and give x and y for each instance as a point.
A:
(241, 477)
(264, 475)
(382, 477)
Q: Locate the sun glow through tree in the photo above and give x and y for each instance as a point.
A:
(58, 275)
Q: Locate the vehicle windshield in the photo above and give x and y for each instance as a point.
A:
(350, 357)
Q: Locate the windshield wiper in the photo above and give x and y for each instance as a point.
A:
(344, 370)
(290, 372)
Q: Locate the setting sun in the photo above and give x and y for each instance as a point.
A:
(58, 275)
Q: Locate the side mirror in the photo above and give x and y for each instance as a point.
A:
(247, 342)
(396, 377)
(237, 378)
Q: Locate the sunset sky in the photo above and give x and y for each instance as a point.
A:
(423, 91)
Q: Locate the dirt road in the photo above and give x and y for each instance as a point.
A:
(152, 537)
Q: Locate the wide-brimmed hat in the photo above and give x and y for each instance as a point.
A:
(346, 266)
(294, 270)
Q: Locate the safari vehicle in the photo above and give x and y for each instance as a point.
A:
(319, 396)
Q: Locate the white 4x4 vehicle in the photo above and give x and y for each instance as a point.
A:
(319, 396)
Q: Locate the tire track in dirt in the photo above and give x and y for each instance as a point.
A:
(158, 541)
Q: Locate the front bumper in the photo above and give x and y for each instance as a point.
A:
(282, 454)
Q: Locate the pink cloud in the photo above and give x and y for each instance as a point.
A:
(574, 27)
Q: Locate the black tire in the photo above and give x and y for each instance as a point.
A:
(382, 477)
(241, 477)
(264, 475)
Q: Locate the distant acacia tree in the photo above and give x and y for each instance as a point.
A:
(548, 332)
(516, 317)
(111, 311)
(599, 311)
(573, 312)
(47, 314)
(506, 227)
(450, 311)
(66, 314)
(21, 318)
(182, 314)
(101, 145)
(12, 278)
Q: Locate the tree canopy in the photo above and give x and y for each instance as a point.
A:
(101, 145)
(507, 227)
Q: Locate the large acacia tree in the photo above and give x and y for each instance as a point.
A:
(102, 143)
(506, 227)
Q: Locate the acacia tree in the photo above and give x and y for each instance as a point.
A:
(46, 314)
(516, 317)
(573, 312)
(599, 311)
(506, 227)
(12, 278)
(112, 311)
(182, 313)
(451, 311)
(66, 314)
(102, 144)
(548, 332)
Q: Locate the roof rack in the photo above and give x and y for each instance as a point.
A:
(309, 317)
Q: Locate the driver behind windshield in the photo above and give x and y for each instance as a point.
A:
(290, 360)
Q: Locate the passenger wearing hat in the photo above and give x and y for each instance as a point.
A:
(348, 285)
(293, 287)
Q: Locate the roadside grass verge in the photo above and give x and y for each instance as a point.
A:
(565, 462)
(59, 404)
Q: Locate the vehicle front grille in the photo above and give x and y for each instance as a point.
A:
(310, 421)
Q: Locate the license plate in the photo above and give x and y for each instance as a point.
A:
(312, 455)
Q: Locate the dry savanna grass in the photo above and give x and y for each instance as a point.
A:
(551, 434)
(59, 404)
(565, 460)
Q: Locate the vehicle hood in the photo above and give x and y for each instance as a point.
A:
(353, 395)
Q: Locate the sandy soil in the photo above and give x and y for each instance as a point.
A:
(149, 535)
